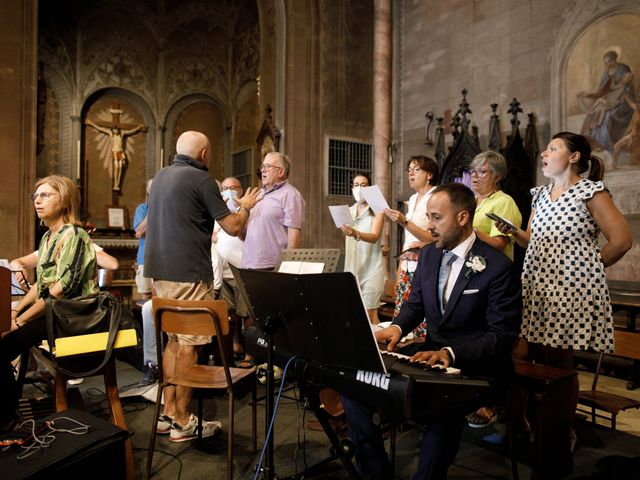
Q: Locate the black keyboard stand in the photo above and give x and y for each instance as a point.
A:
(342, 450)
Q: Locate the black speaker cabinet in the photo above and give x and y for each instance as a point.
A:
(97, 454)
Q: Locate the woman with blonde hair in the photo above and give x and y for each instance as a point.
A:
(66, 269)
(487, 170)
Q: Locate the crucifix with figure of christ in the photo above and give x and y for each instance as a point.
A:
(117, 133)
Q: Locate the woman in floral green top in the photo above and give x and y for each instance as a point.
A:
(66, 269)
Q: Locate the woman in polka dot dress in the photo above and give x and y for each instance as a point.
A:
(566, 304)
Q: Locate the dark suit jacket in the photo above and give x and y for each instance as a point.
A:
(482, 316)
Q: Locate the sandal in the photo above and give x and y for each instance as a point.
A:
(477, 420)
(245, 363)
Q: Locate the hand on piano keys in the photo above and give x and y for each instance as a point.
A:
(416, 361)
(389, 336)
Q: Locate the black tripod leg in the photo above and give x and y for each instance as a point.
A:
(339, 448)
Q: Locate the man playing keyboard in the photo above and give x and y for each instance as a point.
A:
(470, 296)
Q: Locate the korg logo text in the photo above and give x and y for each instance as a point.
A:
(380, 380)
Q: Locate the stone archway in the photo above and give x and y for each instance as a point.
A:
(215, 124)
(96, 163)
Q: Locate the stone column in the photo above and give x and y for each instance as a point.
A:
(18, 85)
(382, 49)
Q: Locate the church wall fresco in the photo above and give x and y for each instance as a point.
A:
(543, 52)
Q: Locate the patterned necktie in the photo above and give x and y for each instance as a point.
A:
(445, 268)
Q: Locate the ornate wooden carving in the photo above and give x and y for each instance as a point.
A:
(465, 146)
(269, 135)
(427, 139)
(440, 153)
(520, 177)
(494, 129)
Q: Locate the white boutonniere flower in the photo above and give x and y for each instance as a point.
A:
(475, 264)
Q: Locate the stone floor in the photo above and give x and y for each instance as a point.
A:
(297, 447)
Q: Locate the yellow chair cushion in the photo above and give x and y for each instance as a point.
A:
(93, 342)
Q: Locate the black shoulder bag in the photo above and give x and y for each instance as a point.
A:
(96, 313)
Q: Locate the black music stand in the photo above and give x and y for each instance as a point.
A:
(294, 312)
(331, 257)
(332, 260)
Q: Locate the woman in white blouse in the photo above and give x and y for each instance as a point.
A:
(423, 176)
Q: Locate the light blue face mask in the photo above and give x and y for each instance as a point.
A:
(228, 196)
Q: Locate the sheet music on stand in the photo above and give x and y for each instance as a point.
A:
(322, 316)
(329, 257)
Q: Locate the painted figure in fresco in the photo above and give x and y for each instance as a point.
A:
(608, 108)
(631, 140)
(118, 149)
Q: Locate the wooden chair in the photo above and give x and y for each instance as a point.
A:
(209, 318)
(627, 344)
(387, 301)
(547, 384)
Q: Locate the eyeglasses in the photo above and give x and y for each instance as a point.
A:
(360, 185)
(42, 195)
(266, 166)
(480, 172)
(414, 170)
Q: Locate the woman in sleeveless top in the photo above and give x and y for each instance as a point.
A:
(363, 253)
(566, 304)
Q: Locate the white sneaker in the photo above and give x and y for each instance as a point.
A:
(75, 381)
(261, 373)
(190, 431)
(164, 424)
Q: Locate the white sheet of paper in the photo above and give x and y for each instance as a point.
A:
(15, 287)
(311, 267)
(301, 267)
(341, 215)
(374, 198)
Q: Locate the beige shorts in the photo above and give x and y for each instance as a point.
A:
(230, 293)
(186, 291)
(143, 284)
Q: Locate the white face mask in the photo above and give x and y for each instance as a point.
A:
(356, 194)
(228, 196)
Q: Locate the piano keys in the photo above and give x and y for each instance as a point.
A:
(406, 391)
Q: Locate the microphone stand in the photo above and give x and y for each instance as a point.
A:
(272, 324)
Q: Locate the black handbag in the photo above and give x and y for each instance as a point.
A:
(96, 313)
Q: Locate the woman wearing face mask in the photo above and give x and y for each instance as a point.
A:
(363, 255)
